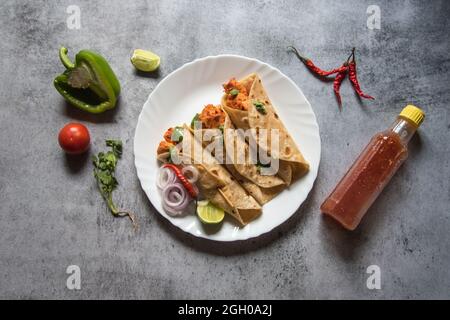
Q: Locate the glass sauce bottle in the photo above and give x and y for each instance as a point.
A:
(372, 170)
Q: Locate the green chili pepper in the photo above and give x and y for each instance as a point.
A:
(89, 84)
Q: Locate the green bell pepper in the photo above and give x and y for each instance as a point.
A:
(90, 84)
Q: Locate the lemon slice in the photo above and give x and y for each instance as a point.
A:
(145, 60)
(209, 213)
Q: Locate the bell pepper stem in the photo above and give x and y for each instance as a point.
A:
(65, 59)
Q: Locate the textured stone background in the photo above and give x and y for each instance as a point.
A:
(51, 214)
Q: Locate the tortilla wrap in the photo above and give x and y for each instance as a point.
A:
(262, 187)
(216, 183)
(292, 163)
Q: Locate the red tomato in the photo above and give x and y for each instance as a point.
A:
(74, 138)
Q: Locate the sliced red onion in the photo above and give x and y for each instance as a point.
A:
(165, 177)
(175, 199)
(178, 211)
(186, 201)
(174, 194)
(191, 173)
(171, 211)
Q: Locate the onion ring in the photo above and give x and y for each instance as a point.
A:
(193, 176)
(171, 211)
(178, 210)
(174, 195)
(165, 177)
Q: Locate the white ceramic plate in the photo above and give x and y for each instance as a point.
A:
(183, 93)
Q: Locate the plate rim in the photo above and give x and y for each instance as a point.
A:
(197, 60)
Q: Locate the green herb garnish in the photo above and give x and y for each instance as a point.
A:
(104, 173)
(260, 107)
(221, 128)
(234, 92)
(116, 146)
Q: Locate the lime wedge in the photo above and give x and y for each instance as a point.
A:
(145, 60)
(209, 213)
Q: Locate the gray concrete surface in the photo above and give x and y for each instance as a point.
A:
(51, 215)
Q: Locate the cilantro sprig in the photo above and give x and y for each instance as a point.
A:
(104, 172)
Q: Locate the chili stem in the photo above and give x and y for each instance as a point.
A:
(302, 58)
(351, 55)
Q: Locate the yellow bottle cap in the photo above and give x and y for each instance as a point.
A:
(414, 114)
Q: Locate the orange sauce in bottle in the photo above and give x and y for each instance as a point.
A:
(372, 170)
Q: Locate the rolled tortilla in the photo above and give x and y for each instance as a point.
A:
(216, 183)
(292, 163)
(237, 160)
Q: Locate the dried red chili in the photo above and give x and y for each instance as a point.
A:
(348, 67)
(315, 69)
(337, 83)
(352, 75)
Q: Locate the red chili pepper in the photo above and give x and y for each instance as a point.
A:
(337, 83)
(352, 74)
(186, 184)
(315, 69)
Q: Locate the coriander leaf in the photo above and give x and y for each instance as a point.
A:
(116, 147)
(104, 173)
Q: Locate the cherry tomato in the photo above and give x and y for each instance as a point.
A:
(74, 138)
